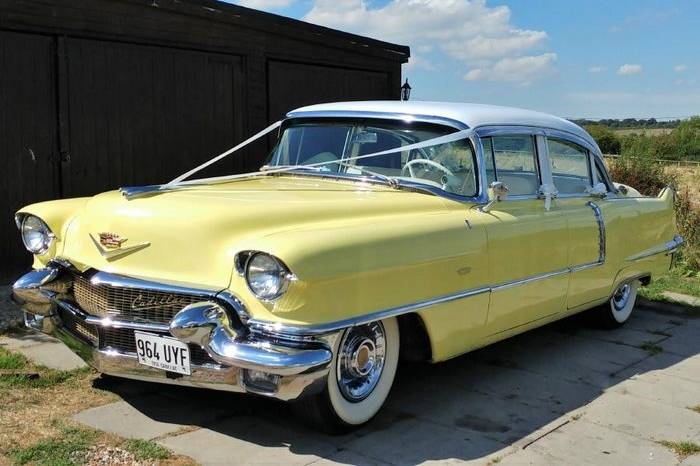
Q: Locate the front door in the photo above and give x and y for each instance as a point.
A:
(528, 244)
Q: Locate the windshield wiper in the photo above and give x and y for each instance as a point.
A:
(392, 182)
(265, 168)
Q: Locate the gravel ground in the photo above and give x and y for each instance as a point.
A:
(10, 315)
(105, 455)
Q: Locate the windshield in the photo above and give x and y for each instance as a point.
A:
(450, 167)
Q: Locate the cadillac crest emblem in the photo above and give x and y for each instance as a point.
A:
(111, 240)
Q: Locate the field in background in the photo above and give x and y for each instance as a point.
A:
(644, 131)
(688, 181)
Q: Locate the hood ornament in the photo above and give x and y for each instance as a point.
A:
(110, 245)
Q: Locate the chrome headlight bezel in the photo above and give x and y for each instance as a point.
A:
(37, 237)
(267, 277)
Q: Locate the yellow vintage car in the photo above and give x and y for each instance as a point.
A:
(375, 231)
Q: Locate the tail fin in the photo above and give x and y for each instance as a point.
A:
(668, 194)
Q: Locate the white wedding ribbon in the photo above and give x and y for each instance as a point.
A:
(180, 180)
(251, 139)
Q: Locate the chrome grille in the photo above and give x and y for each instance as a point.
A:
(131, 304)
(79, 328)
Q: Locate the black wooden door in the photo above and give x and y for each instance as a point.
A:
(28, 137)
(141, 114)
(293, 85)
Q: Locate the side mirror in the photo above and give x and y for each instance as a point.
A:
(497, 192)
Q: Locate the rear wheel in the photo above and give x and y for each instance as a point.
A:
(361, 375)
(619, 308)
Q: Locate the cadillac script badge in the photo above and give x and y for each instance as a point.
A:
(111, 240)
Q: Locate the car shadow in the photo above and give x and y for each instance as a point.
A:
(467, 408)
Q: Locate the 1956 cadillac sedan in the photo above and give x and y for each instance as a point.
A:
(376, 230)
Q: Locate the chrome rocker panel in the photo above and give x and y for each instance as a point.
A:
(298, 370)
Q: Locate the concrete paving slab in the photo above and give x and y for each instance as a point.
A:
(408, 440)
(670, 363)
(25, 339)
(662, 388)
(652, 322)
(163, 417)
(44, 350)
(579, 360)
(684, 341)
(248, 440)
(582, 443)
(560, 395)
(625, 336)
(348, 457)
(643, 418)
(685, 299)
(693, 460)
(481, 415)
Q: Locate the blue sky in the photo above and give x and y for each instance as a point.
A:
(593, 59)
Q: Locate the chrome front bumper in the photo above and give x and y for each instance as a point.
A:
(290, 369)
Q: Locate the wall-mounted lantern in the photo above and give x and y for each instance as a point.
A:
(406, 91)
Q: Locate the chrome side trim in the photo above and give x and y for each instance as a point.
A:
(667, 248)
(534, 278)
(601, 230)
(296, 330)
(578, 268)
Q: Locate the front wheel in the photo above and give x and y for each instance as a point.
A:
(618, 309)
(360, 378)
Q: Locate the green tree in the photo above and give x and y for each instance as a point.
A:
(606, 139)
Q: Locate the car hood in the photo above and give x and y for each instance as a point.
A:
(192, 235)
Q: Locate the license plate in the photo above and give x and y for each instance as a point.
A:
(164, 353)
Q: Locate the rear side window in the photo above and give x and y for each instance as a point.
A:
(512, 160)
(570, 166)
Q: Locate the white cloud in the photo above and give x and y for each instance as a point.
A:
(265, 4)
(627, 69)
(596, 69)
(468, 33)
(680, 68)
(520, 70)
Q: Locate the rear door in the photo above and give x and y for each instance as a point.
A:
(573, 176)
(528, 244)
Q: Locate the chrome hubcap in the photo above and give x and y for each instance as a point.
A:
(361, 360)
(621, 296)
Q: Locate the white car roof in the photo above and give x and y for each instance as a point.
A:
(471, 115)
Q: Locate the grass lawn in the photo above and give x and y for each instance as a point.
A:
(35, 426)
(677, 280)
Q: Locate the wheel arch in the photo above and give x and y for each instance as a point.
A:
(415, 342)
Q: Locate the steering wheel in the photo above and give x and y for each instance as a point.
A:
(410, 163)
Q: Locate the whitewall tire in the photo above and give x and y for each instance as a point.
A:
(361, 374)
(619, 308)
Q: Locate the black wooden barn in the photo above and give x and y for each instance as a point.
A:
(97, 94)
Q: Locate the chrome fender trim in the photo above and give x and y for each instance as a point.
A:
(667, 248)
(206, 324)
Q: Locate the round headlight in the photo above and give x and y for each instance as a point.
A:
(267, 277)
(36, 235)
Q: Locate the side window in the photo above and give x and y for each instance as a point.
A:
(600, 177)
(515, 163)
(570, 166)
(488, 161)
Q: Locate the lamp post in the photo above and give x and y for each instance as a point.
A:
(406, 91)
